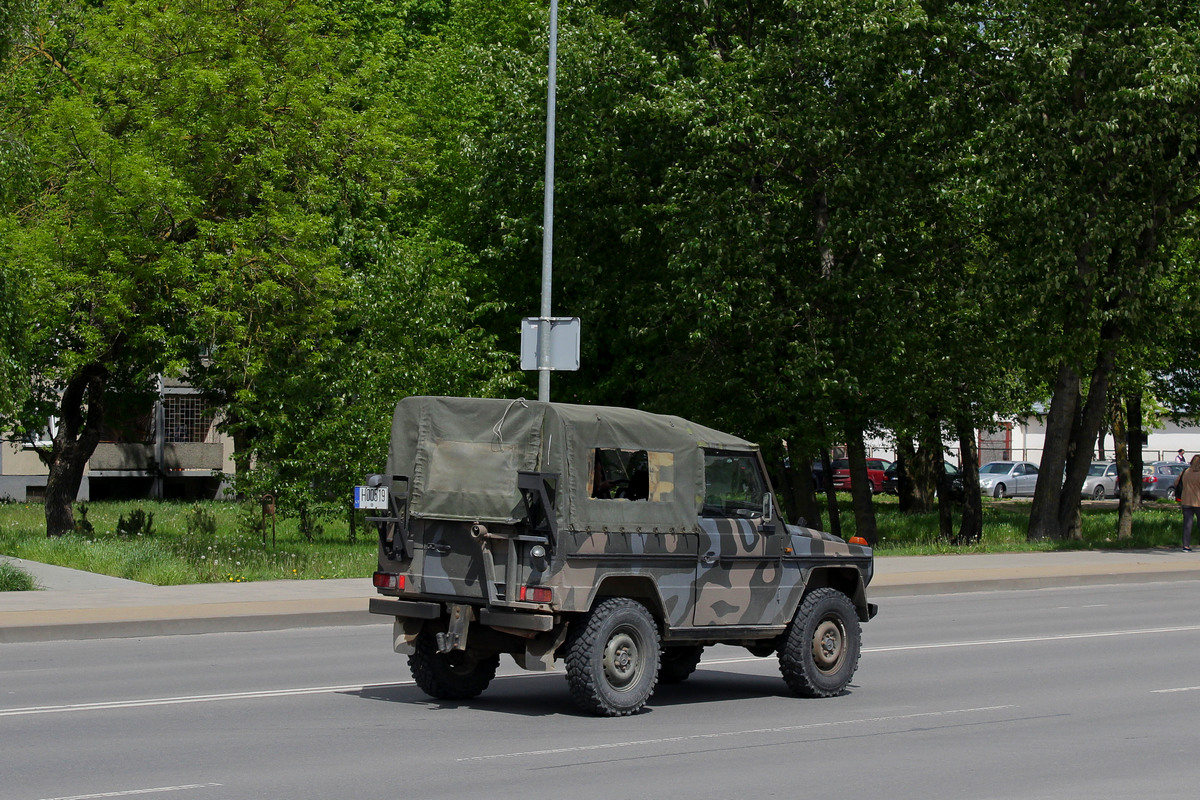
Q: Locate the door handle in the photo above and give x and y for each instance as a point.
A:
(709, 558)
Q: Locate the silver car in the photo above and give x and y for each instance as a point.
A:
(1101, 480)
(1158, 479)
(1008, 478)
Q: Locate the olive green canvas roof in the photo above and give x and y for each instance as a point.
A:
(462, 456)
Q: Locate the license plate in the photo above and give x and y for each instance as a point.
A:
(371, 497)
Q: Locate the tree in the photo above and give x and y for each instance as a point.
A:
(215, 188)
(1094, 164)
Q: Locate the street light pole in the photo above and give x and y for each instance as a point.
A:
(548, 217)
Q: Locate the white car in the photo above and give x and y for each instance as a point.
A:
(1008, 478)
(1101, 480)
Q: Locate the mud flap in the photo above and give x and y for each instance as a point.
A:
(404, 634)
(539, 651)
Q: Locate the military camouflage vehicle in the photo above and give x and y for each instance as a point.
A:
(619, 541)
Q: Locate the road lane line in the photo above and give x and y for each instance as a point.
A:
(131, 792)
(1180, 689)
(1028, 639)
(704, 736)
(200, 698)
(210, 698)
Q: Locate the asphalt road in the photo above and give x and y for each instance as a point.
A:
(1089, 692)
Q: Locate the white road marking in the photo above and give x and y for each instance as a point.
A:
(1180, 689)
(131, 792)
(200, 698)
(358, 687)
(1028, 639)
(699, 736)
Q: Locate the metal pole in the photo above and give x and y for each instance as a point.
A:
(548, 217)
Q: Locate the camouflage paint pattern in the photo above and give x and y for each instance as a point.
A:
(726, 576)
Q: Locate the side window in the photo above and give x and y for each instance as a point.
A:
(631, 475)
(1030, 469)
(733, 485)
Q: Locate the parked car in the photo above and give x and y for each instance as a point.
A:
(1008, 478)
(1101, 480)
(1158, 479)
(875, 470)
(891, 479)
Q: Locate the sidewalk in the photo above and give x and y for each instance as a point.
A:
(82, 605)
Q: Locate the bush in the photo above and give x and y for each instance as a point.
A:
(13, 579)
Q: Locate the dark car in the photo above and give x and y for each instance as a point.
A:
(1158, 479)
(875, 470)
(891, 479)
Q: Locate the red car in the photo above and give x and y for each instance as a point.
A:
(875, 468)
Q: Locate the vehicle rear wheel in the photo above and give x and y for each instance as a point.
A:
(1098, 492)
(612, 658)
(821, 647)
(1171, 494)
(676, 664)
(457, 675)
(1000, 492)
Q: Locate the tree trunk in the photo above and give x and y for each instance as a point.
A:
(970, 529)
(1124, 473)
(76, 440)
(835, 518)
(906, 453)
(800, 490)
(860, 486)
(1133, 424)
(1043, 515)
(1084, 432)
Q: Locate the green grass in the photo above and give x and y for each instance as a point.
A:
(178, 543)
(189, 543)
(1005, 524)
(13, 579)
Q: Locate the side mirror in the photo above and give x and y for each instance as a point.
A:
(768, 510)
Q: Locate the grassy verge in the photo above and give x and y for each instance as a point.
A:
(168, 543)
(176, 543)
(1006, 522)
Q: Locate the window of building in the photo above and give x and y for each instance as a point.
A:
(187, 418)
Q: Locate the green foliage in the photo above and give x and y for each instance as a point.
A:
(14, 579)
(139, 523)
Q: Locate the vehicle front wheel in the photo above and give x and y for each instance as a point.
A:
(457, 675)
(1000, 492)
(612, 658)
(1098, 493)
(821, 647)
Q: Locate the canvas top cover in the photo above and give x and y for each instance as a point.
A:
(462, 455)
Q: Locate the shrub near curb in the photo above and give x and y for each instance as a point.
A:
(14, 579)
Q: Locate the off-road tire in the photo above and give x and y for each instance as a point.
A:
(820, 649)
(612, 658)
(457, 675)
(676, 664)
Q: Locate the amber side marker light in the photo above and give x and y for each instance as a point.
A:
(859, 540)
(387, 580)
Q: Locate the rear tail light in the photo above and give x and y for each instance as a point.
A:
(387, 580)
(537, 594)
